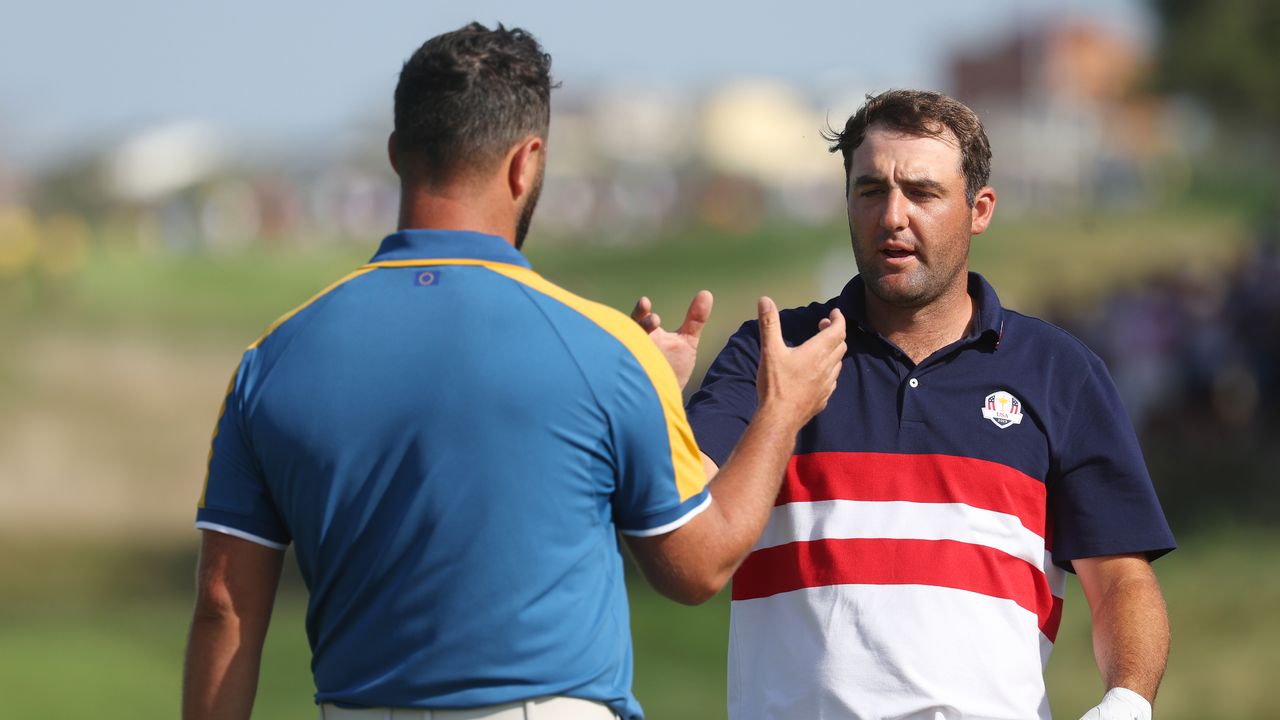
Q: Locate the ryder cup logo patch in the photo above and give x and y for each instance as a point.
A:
(1002, 409)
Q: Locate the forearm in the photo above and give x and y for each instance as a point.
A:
(692, 564)
(221, 674)
(745, 489)
(1131, 634)
(235, 592)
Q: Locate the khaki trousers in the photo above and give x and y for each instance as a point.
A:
(549, 708)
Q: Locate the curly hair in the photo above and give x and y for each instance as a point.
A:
(923, 113)
(466, 96)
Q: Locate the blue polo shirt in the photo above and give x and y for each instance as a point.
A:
(451, 443)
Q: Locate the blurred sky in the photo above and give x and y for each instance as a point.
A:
(285, 73)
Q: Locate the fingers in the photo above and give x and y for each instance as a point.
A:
(833, 332)
(697, 315)
(830, 379)
(643, 307)
(829, 344)
(694, 319)
(770, 327)
(830, 336)
(837, 318)
(830, 320)
(837, 353)
(835, 361)
(644, 316)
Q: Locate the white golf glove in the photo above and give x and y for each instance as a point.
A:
(1120, 704)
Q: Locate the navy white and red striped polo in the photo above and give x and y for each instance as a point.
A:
(913, 565)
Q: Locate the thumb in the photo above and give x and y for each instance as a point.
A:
(770, 327)
(836, 320)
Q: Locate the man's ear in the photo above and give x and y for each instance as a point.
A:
(524, 165)
(391, 152)
(984, 207)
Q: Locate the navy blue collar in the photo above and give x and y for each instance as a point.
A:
(444, 244)
(988, 325)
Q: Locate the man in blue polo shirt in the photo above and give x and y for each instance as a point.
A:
(914, 562)
(452, 443)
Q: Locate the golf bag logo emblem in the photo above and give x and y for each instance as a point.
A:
(1002, 409)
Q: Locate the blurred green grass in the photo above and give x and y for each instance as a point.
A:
(115, 651)
(1031, 261)
(96, 625)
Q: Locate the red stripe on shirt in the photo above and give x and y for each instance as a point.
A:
(939, 563)
(916, 478)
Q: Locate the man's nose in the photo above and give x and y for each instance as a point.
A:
(894, 216)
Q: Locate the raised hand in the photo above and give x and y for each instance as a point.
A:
(679, 347)
(796, 382)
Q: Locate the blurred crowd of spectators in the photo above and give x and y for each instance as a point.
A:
(1197, 363)
(1196, 356)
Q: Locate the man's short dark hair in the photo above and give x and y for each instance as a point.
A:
(465, 97)
(923, 113)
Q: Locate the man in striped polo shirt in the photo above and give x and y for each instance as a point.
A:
(971, 456)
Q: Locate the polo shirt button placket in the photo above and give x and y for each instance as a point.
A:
(913, 402)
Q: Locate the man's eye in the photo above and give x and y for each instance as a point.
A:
(871, 192)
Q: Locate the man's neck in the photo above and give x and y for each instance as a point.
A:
(453, 209)
(922, 331)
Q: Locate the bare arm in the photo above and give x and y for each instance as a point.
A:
(692, 563)
(236, 588)
(1130, 623)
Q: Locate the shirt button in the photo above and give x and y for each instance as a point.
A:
(913, 382)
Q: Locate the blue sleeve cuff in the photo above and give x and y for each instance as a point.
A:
(666, 521)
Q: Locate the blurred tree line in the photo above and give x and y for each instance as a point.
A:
(1199, 358)
(1225, 54)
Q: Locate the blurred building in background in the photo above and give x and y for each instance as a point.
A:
(1061, 100)
(1074, 126)
(1070, 123)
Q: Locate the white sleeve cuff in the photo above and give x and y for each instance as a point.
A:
(674, 524)
(202, 525)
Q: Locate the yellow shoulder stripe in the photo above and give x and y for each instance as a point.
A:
(287, 316)
(690, 478)
(366, 268)
(222, 410)
(437, 261)
(231, 385)
(685, 458)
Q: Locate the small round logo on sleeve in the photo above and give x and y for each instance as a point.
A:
(426, 278)
(1002, 409)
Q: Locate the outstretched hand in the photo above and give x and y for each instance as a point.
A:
(679, 347)
(797, 382)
